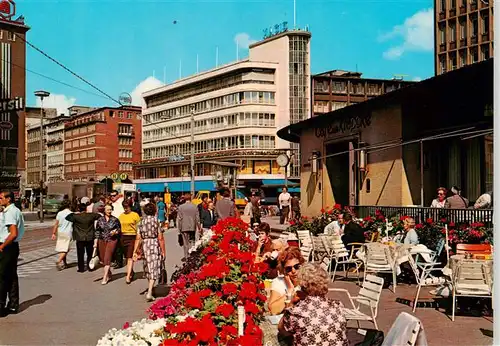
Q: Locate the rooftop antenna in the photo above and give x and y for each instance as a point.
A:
(294, 14)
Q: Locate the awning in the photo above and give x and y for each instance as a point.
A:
(278, 182)
(177, 186)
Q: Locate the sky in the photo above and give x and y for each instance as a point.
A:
(133, 46)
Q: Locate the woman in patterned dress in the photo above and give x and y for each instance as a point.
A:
(153, 247)
(313, 319)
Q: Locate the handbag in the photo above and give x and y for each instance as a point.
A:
(163, 276)
(94, 261)
(180, 239)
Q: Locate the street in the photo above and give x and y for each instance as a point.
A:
(70, 308)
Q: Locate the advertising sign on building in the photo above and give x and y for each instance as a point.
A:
(9, 142)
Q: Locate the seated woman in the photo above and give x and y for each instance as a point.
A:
(264, 243)
(410, 237)
(283, 287)
(271, 258)
(314, 320)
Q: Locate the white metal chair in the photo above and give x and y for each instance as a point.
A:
(319, 249)
(378, 259)
(471, 279)
(337, 252)
(423, 275)
(369, 296)
(405, 331)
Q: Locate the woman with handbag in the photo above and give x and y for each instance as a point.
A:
(153, 248)
(108, 229)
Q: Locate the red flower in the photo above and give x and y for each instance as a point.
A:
(194, 301)
(205, 293)
(126, 325)
(429, 220)
(292, 222)
(251, 308)
(419, 226)
(322, 210)
(228, 332)
(248, 291)
(229, 288)
(206, 330)
(225, 310)
(337, 206)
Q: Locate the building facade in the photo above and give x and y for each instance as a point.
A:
(337, 89)
(100, 142)
(237, 109)
(398, 148)
(55, 149)
(463, 33)
(12, 99)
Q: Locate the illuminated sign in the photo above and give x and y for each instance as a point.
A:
(16, 104)
(275, 30)
(7, 9)
(125, 99)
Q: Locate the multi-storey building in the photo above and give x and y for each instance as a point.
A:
(337, 89)
(237, 109)
(12, 96)
(33, 157)
(463, 33)
(100, 142)
(55, 149)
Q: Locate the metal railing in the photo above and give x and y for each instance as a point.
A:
(420, 214)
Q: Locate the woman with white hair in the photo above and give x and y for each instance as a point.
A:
(314, 319)
(410, 237)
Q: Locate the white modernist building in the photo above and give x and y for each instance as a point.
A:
(237, 109)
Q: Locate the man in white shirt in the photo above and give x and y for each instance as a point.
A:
(117, 201)
(11, 232)
(335, 227)
(284, 200)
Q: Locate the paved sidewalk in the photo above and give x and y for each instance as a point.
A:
(70, 308)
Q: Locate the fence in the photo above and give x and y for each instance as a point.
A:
(420, 214)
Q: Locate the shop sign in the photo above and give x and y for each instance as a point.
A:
(275, 30)
(7, 9)
(176, 158)
(344, 125)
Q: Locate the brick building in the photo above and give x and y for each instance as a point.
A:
(12, 99)
(463, 33)
(102, 141)
(337, 89)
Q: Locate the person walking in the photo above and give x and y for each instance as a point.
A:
(116, 201)
(153, 247)
(63, 234)
(11, 233)
(107, 233)
(203, 204)
(129, 221)
(188, 223)
(208, 216)
(225, 207)
(160, 206)
(255, 202)
(284, 200)
(83, 234)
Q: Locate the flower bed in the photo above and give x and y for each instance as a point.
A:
(201, 307)
(429, 232)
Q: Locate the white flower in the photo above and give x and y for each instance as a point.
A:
(204, 240)
(140, 333)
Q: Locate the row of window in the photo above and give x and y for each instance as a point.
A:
(464, 57)
(56, 147)
(252, 76)
(125, 129)
(55, 172)
(323, 107)
(473, 28)
(125, 153)
(354, 87)
(211, 145)
(84, 167)
(80, 130)
(226, 121)
(125, 166)
(124, 141)
(79, 142)
(80, 155)
(56, 159)
(260, 97)
(443, 4)
(10, 35)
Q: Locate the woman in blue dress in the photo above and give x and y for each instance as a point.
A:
(160, 205)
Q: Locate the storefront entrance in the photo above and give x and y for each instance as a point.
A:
(338, 171)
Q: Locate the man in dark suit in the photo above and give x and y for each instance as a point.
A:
(208, 216)
(353, 233)
(188, 223)
(225, 207)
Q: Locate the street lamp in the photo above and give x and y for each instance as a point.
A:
(192, 150)
(41, 94)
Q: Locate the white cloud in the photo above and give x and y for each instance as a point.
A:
(58, 101)
(417, 79)
(243, 40)
(149, 83)
(417, 33)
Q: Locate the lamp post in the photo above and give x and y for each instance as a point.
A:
(41, 94)
(192, 150)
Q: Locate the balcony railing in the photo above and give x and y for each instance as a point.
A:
(420, 214)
